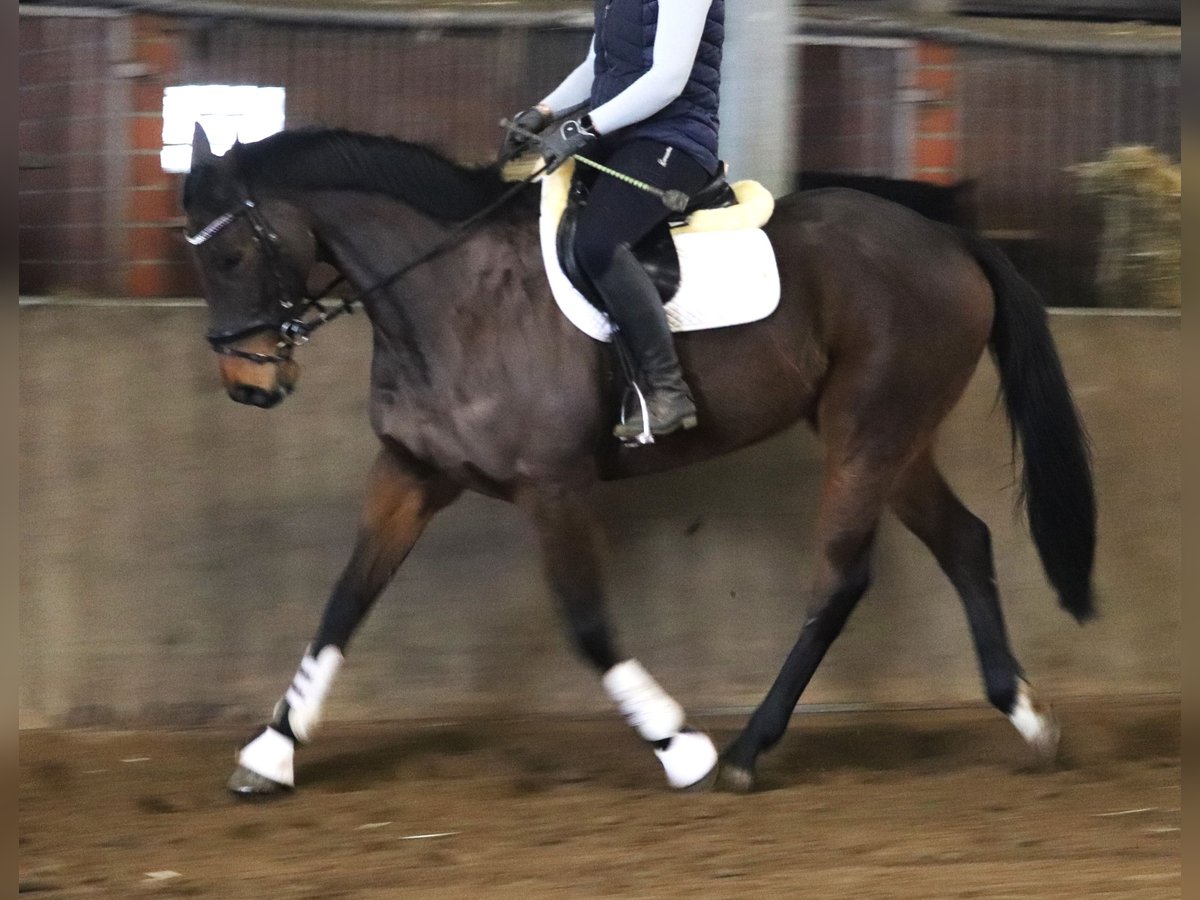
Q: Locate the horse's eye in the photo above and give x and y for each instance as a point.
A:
(227, 262)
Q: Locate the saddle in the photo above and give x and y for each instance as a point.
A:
(656, 252)
(713, 264)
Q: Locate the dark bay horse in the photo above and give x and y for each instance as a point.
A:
(479, 383)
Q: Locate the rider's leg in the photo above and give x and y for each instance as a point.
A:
(616, 218)
(635, 306)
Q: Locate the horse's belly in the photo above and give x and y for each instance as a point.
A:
(478, 443)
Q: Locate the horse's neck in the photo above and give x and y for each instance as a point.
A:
(371, 239)
(425, 309)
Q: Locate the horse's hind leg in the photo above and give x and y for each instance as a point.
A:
(400, 502)
(962, 545)
(569, 536)
(853, 494)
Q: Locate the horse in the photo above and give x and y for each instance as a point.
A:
(479, 383)
(953, 204)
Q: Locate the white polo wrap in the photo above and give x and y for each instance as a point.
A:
(270, 755)
(688, 758)
(645, 705)
(308, 690)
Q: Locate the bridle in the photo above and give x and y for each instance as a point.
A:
(302, 322)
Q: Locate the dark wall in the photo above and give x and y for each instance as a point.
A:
(1010, 122)
(70, 155)
(98, 216)
(1027, 118)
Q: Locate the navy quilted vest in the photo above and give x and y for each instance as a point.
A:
(625, 32)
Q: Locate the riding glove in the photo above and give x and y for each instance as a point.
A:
(564, 140)
(518, 138)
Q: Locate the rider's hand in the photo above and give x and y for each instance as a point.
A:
(566, 139)
(531, 120)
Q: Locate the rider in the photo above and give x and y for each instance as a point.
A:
(651, 79)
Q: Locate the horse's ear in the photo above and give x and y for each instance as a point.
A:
(201, 149)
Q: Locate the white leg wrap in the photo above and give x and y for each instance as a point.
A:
(1039, 727)
(270, 755)
(687, 758)
(309, 688)
(645, 705)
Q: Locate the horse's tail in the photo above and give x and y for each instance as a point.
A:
(1057, 480)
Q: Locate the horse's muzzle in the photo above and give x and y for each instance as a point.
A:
(255, 383)
(256, 396)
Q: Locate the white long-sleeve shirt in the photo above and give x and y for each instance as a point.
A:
(676, 42)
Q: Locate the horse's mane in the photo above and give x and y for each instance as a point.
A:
(335, 159)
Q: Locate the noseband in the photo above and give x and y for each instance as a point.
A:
(300, 324)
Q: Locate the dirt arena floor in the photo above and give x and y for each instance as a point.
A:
(864, 805)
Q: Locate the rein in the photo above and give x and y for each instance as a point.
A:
(298, 329)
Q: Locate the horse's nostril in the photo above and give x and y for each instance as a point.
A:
(255, 396)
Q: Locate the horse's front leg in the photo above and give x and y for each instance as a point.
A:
(400, 502)
(567, 529)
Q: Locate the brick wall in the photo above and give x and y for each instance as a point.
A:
(447, 88)
(70, 112)
(96, 211)
(848, 109)
(157, 264)
(936, 139)
(880, 107)
(97, 214)
(110, 222)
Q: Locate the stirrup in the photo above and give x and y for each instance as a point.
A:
(645, 437)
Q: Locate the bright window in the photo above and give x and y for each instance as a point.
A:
(228, 112)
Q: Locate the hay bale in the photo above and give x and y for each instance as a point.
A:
(1140, 191)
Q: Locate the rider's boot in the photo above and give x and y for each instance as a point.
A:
(671, 408)
(634, 304)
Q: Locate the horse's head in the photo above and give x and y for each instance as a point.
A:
(253, 257)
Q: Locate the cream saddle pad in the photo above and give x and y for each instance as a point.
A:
(728, 273)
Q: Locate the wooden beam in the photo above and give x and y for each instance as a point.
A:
(1159, 11)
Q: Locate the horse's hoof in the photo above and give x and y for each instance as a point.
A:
(1045, 746)
(704, 785)
(249, 785)
(734, 779)
(1045, 741)
(1037, 724)
(689, 759)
